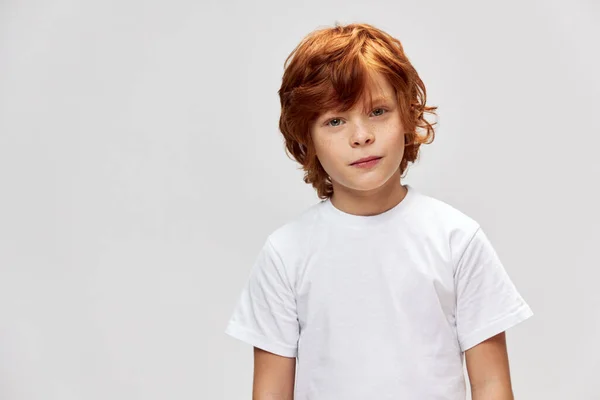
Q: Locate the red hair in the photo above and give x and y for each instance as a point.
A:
(329, 70)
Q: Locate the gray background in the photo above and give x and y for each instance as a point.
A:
(141, 169)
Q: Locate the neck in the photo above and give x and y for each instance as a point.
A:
(371, 202)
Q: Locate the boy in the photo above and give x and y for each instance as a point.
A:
(377, 291)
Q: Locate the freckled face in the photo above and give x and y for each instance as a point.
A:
(340, 138)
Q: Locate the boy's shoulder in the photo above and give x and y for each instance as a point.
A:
(438, 221)
(294, 233)
(432, 210)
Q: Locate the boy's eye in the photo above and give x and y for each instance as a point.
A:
(332, 120)
(383, 110)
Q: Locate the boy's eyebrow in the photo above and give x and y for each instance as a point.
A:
(379, 99)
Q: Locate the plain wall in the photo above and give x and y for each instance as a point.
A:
(141, 169)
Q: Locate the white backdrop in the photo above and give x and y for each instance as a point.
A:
(141, 168)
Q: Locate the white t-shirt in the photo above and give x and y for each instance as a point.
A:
(377, 307)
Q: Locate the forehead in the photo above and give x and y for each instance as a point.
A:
(377, 85)
(377, 89)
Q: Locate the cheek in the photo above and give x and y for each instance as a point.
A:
(326, 152)
(393, 134)
(326, 147)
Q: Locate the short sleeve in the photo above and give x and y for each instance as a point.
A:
(265, 315)
(487, 301)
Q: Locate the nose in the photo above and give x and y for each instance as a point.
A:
(362, 136)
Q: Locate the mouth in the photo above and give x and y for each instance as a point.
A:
(365, 160)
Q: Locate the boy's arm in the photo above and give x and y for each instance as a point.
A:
(488, 369)
(274, 376)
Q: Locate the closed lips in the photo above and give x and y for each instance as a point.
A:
(365, 159)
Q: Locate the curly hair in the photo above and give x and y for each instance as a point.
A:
(329, 70)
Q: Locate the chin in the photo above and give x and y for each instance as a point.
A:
(365, 185)
(374, 181)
